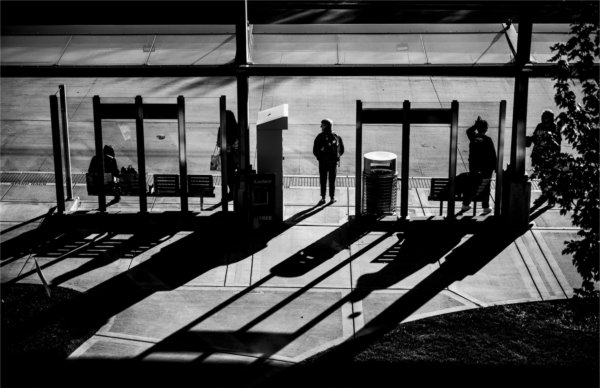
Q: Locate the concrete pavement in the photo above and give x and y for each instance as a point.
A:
(199, 291)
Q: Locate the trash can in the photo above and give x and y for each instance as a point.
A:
(380, 183)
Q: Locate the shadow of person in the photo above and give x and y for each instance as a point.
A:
(300, 216)
(421, 244)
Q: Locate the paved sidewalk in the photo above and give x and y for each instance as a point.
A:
(200, 291)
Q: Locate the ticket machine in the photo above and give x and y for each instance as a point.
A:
(269, 149)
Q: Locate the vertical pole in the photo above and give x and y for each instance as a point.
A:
(500, 153)
(58, 177)
(241, 60)
(99, 153)
(453, 156)
(141, 152)
(516, 193)
(65, 135)
(405, 160)
(224, 161)
(245, 167)
(182, 155)
(517, 149)
(358, 169)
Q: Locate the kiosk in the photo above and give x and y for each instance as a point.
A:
(269, 150)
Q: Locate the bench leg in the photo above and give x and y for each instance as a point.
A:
(201, 203)
(474, 208)
(441, 207)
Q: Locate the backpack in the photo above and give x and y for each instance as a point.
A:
(331, 147)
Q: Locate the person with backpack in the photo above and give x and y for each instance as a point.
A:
(546, 141)
(327, 148)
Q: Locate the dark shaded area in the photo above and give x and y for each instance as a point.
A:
(299, 12)
(540, 344)
(219, 240)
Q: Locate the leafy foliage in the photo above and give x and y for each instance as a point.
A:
(573, 180)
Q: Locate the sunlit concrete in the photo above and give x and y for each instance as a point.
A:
(26, 140)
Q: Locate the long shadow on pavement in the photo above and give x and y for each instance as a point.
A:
(340, 366)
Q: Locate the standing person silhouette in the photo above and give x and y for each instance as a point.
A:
(110, 167)
(328, 147)
(232, 149)
(482, 163)
(546, 141)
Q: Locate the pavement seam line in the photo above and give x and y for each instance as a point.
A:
(556, 271)
(544, 266)
(532, 268)
(518, 242)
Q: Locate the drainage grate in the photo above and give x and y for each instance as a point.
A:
(43, 178)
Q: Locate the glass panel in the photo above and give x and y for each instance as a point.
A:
(467, 48)
(32, 50)
(193, 50)
(396, 48)
(541, 43)
(108, 50)
(289, 49)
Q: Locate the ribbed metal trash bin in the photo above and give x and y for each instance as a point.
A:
(379, 187)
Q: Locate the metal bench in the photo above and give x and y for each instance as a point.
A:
(167, 185)
(439, 191)
(201, 186)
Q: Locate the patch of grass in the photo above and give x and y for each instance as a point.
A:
(36, 326)
(552, 343)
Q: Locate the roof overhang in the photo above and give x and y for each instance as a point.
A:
(197, 12)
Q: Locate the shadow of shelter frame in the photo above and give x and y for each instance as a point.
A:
(406, 116)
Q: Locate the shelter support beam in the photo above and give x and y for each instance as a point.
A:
(242, 62)
(406, 115)
(99, 152)
(183, 180)
(500, 159)
(452, 159)
(58, 177)
(518, 189)
(358, 169)
(141, 152)
(224, 159)
(66, 143)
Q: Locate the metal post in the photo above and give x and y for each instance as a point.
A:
(358, 169)
(517, 150)
(99, 152)
(65, 137)
(405, 160)
(58, 178)
(224, 161)
(500, 153)
(182, 154)
(141, 152)
(241, 36)
(453, 157)
(241, 60)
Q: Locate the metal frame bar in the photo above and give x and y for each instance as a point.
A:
(358, 172)
(452, 159)
(500, 159)
(517, 151)
(99, 152)
(535, 70)
(141, 152)
(183, 181)
(65, 138)
(224, 161)
(407, 116)
(58, 176)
